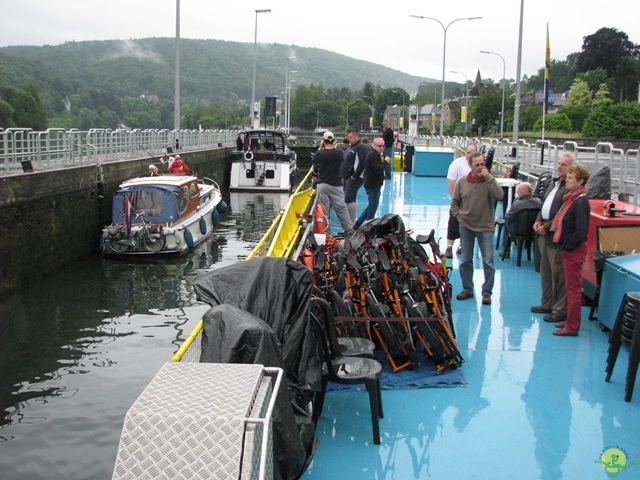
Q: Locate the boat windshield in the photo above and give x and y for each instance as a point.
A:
(158, 204)
(270, 141)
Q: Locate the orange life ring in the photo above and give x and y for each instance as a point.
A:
(320, 219)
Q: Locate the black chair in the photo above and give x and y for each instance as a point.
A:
(522, 232)
(488, 159)
(513, 172)
(626, 328)
(347, 346)
(542, 185)
(344, 370)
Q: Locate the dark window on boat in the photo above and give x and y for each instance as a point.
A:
(193, 190)
(182, 199)
(147, 201)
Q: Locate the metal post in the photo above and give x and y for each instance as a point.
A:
(255, 55)
(401, 110)
(504, 70)
(444, 55)
(516, 110)
(176, 93)
(373, 108)
(466, 103)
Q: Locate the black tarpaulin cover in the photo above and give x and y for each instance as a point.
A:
(599, 183)
(276, 291)
(231, 335)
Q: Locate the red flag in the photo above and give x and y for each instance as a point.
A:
(128, 213)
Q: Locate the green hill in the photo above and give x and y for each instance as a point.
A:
(211, 70)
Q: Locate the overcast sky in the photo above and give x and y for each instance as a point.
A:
(359, 29)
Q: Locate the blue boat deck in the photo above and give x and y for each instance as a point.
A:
(534, 406)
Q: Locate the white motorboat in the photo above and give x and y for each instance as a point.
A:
(162, 214)
(262, 161)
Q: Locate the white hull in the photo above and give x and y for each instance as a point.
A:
(262, 161)
(266, 176)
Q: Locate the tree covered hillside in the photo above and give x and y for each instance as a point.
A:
(111, 76)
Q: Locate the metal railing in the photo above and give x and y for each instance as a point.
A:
(23, 148)
(542, 156)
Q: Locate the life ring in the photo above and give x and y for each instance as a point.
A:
(320, 219)
(248, 156)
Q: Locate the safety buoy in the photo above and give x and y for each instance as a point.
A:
(221, 208)
(248, 156)
(188, 238)
(320, 219)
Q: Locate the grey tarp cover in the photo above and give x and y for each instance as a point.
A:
(599, 183)
(277, 291)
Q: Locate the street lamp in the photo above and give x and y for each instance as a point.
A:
(286, 95)
(255, 56)
(444, 55)
(400, 123)
(291, 80)
(176, 91)
(466, 102)
(317, 113)
(504, 68)
(373, 109)
(346, 122)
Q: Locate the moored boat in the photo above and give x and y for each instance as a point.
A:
(263, 161)
(163, 214)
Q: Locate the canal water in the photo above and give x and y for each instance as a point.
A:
(78, 348)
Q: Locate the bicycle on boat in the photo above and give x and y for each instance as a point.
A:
(146, 236)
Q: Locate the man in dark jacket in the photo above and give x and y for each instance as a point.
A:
(373, 168)
(356, 154)
(387, 136)
(554, 295)
(326, 166)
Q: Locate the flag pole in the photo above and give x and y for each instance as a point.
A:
(547, 83)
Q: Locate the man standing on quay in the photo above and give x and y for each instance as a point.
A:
(472, 204)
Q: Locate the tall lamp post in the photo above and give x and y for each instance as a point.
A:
(373, 109)
(176, 92)
(466, 101)
(400, 123)
(291, 80)
(286, 95)
(504, 69)
(444, 56)
(255, 56)
(317, 113)
(346, 122)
